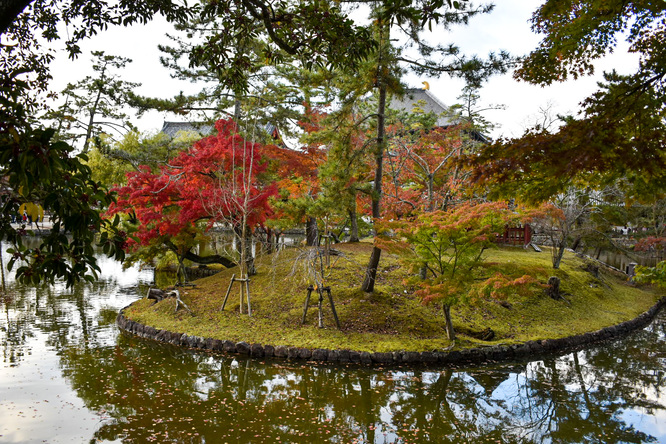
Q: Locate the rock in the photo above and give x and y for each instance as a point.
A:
(281, 351)
(428, 357)
(257, 350)
(243, 348)
(319, 354)
(382, 358)
(229, 346)
(217, 345)
(304, 353)
(293, 352)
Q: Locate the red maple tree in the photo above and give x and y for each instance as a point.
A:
(218, 180)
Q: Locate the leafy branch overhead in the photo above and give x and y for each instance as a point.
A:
(35, 166)
(316, 34)
(618, 135)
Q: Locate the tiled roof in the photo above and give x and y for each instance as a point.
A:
(172, 128)
(205, 129)
(426, 101)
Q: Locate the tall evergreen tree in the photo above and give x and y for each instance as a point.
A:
(94, 104)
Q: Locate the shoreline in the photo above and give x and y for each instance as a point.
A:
(478, 355)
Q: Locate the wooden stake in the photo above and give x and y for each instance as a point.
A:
(241, 298)
(233, 276)
(247, 292)
(335, 313)
(244, 289)
(307, 302)
(320, 292)
(321, 312)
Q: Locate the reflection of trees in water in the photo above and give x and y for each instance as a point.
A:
(583, 397)
(151, 392)
(15, 331)
(66, 316)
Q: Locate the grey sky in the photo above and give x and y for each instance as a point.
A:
(506, 28)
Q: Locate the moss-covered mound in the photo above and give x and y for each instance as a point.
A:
(393, 318)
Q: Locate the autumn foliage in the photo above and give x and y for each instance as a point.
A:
(203, 185)
(445, 247)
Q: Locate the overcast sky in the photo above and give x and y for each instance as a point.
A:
(506, 28)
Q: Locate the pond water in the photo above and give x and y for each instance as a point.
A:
(68, 376)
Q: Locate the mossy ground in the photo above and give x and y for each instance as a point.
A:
(393, 318)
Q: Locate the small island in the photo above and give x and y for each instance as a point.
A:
(392, 324)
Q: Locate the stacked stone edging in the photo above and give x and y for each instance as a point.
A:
(466, 356)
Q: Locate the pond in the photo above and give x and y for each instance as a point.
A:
(69, 376)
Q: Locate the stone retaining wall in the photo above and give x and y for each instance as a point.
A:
(468, 356)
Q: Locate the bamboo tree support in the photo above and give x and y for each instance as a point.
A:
(320, 291)
(245, 290)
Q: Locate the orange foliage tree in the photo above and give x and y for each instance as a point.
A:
(423, 171)
(449, 245)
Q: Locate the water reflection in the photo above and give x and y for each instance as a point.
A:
(68, 376)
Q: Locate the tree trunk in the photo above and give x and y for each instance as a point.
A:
(181, 273)
(353, 233)
(311, 232)
(431, 192)
(371, 271)
(576, 243)
(249, 257)
(553, 289)
(558, 253)
(91, 120)
(450, 333)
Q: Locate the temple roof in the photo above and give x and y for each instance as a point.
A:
(172, 128)
(424, 100)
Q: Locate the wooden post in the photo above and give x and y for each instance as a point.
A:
(321, 312)
(233, 277)
(241, 298)
(320, 292)
(244, 288)
(335, 313)
(247, 292)
(307, 302)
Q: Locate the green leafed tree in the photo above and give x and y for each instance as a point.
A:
(34, 166)
(408, 23)
(110, 161)
(268, 95)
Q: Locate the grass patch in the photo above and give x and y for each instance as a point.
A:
(393, 318)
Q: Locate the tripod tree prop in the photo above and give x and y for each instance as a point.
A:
(314, 263)
(243, 283)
